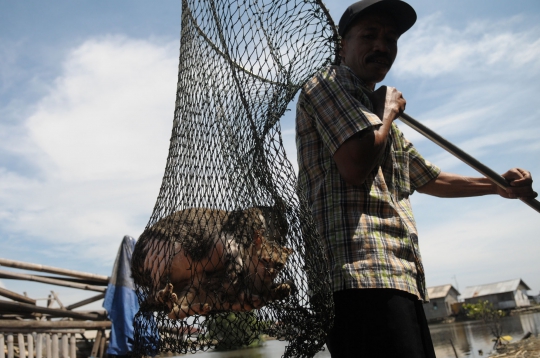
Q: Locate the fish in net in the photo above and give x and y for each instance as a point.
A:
(230, 250)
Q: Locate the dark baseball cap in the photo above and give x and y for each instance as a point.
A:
(402, 12)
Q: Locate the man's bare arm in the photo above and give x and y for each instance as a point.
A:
(358, 155)
(448, 185)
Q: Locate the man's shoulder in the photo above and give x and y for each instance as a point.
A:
(332, 74)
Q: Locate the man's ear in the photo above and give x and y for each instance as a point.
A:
(343, 48)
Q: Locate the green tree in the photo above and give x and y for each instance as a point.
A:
(234, 330)
(484, 310)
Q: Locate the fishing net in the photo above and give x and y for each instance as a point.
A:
(230, 251)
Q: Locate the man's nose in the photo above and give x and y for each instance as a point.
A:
(381, 44)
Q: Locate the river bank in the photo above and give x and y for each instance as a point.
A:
(527, 348)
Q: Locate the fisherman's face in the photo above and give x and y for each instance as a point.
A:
(369, 48)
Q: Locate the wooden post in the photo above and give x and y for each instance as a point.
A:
(39, 345)
(25, 307)
(87, 301)
(22, 348)
(72, 347)
(58, 300)
(48, 345)
(16, 297)
(65, 346)
(102, 345)
(2, 351)
(54, 345)
(97, 341)
(10, 349)
(30, 339)
(16, 325)
(36, 267)
(53, 281)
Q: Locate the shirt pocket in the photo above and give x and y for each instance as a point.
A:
(400, 168)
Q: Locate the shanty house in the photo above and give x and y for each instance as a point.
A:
(441, 299)
(503, 295)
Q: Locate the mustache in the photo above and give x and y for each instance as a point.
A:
(379, 56)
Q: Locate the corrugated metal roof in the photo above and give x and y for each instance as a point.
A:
(440, 291)
(493, 288)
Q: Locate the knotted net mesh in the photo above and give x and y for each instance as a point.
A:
(230, 251)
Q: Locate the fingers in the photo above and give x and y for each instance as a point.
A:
(520, 182)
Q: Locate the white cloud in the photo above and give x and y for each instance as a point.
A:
(433, 49)
(482, 240)
(99, 139)
(108, 111)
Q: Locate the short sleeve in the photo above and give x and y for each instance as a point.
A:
(421, 171)
(331, 99)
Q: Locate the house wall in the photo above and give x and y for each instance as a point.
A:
(438, 308)
(521, 298)
(505, 300)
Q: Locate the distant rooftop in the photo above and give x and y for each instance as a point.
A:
(493, 288)
(440, 291)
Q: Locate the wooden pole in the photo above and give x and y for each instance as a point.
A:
(72, 347)
(48, 345)
(65, 346)
(87, 301)
(58, 282)
(39, 345)
(2, 351)
(14, 325)
(30, 339)
(36, 267)
(22, 348)
(24, 307)
(54, 346)
(464, 157)
(10, 349)
(58, 300)
(16, 297)
(95, 347)
(102, 345)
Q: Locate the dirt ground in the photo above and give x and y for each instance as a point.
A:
(528, 348)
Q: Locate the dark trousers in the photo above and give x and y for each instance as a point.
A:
(379, 323)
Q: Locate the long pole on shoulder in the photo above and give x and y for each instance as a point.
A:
(464, 157)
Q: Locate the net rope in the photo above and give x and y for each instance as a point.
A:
(230, 250)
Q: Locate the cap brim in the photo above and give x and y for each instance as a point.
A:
(403, 13)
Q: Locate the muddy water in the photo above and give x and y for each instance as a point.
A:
(468, 339)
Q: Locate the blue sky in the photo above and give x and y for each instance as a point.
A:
(87, 91)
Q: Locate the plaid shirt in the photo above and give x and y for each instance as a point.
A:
(369, 231)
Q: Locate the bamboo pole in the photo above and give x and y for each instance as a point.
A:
(14, 325)
(58, 282)
(30, 340)
(39, 345)
(97, 341)
(102, 345)
(43, 331)
(54, 346)
(2, 351)
(22, 348)
(58, 300)
(48, 345)
(36, 267)
(87, 301)
(65, 346)
(16, 297)
(72, 347)
(24, 307)
(10, 349)
(464, 157)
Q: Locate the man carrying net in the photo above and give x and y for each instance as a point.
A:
(357, 171)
